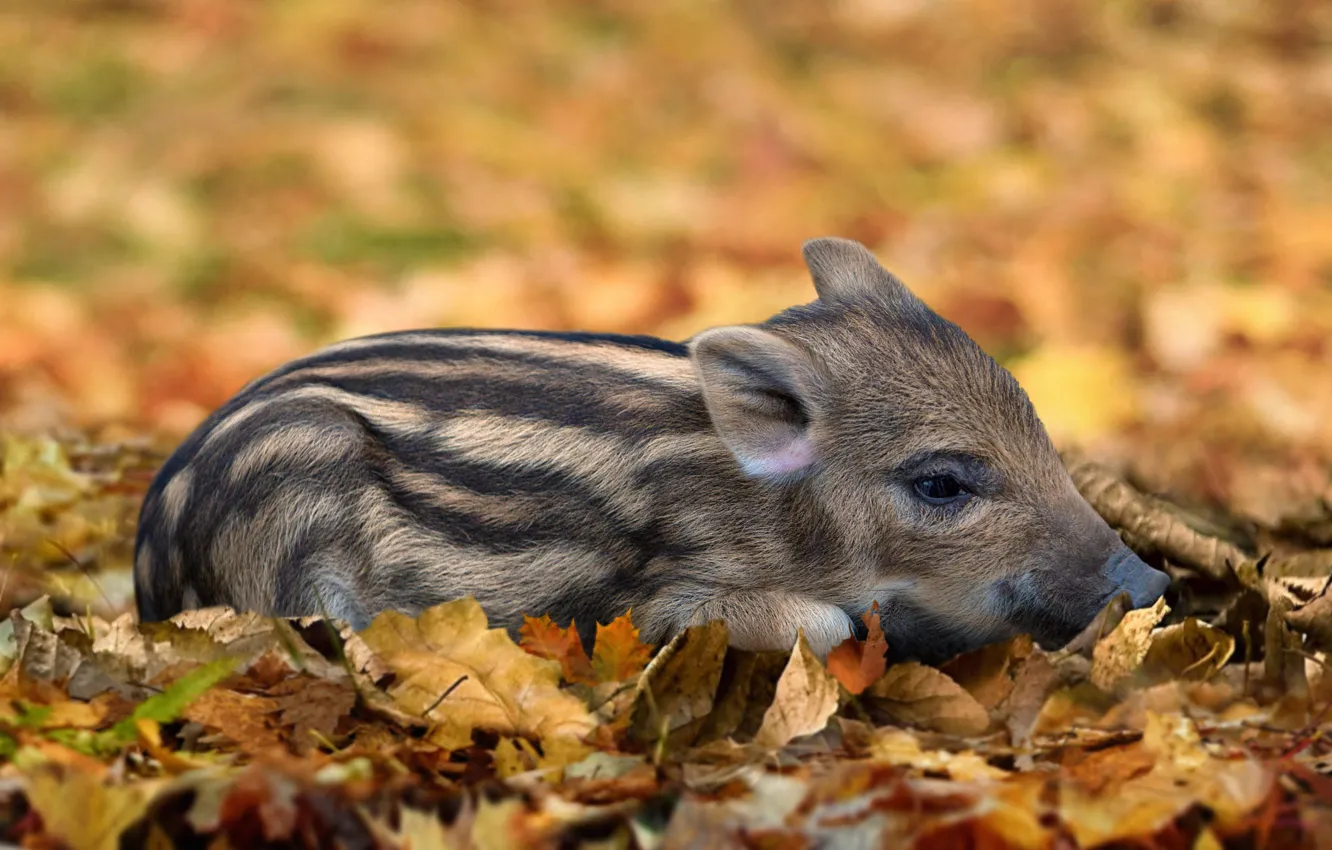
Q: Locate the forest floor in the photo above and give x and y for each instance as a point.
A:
(1129, 205)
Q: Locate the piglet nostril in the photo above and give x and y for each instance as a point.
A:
(1127, 572)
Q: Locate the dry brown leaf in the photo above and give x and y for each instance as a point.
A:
(495, 685)
(1120, 653)
(806, 697)
(922, 696)
(244, 718)
(987, 673)
(1191, 650)
(677, 690)
(1314, 617)
(312, 705)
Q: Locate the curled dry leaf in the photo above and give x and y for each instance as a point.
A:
(495, 685)
(1314, 617)
(857, 663)
(677, 690)
(914, 694)
(1121, 652)
(806, 697)
(1190, 650)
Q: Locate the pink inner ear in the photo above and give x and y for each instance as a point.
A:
(787, 458)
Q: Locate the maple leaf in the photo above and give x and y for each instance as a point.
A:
(544, 638)
(618, 654)
(856, 663)
(490, 682)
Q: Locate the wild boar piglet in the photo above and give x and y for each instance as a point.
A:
(780, 476)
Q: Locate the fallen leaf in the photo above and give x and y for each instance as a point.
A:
(856, 663)
(922, 696)
(1120, 653)
(495, 685)
(900, 747)
(806, 697)
(987, 673)
(1314, 618)
(312, 705)
(618, 654)
(246, 719)
(1191, 650)
(677, 690)
(103, 811)
(542, 637)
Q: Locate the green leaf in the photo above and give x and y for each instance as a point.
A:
(171, 703)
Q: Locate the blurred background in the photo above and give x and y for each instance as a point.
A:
(1129, 203)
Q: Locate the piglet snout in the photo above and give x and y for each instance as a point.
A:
(1127, 573)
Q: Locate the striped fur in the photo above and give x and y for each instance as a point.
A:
(763, 475)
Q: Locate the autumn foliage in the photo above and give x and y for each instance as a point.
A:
(1128, 204)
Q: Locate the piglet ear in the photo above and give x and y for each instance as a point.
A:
(845, 271)
(761, 392)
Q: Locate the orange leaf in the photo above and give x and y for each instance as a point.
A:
(857, 664)
(545, 639)
(618, 654)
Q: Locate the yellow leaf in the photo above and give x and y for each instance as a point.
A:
(102, 814)
(899, 747)
(513, 756)
(1121, 651)
(495, 685)
(923, 696)
(806, 697)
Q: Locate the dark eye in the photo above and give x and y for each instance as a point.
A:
(940, 489)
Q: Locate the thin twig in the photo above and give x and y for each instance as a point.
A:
(450, 689)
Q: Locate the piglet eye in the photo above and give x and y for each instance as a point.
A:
(939, 489)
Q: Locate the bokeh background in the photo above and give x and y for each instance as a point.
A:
(1129, 203)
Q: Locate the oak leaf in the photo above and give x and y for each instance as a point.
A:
(544, 638)
(490, 682)
(857, 663)
(806, 697)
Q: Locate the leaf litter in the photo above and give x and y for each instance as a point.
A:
(1183, 724)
